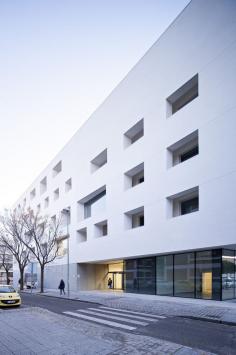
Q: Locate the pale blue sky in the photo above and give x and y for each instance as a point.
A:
(59, 60)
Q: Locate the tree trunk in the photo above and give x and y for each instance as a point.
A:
(8, 278)
(21, 279)
(42, 279)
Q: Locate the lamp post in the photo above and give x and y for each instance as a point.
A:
(66, 211)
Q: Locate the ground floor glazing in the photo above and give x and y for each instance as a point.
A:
(206, 274)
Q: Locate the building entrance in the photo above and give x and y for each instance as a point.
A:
(116, 275)
(117, 280)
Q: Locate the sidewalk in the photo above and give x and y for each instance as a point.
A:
(214, 311)
(36, 331)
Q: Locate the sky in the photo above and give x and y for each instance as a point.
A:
(59, 60)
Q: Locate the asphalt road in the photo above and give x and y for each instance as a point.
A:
(208, 336)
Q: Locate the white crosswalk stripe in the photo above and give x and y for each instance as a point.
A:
(133, 312)
(121, 313)
(115, 317)
(127, 320)
(101, 321)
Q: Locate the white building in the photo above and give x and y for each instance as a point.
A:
(150, 178)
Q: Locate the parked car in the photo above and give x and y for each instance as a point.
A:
(32, 284)
(9, 296)
(228, 282)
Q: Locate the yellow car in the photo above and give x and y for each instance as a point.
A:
(9, 296)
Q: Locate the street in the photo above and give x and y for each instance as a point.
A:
(208, 336)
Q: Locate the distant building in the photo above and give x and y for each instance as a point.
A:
(6, 266)
(150, 178)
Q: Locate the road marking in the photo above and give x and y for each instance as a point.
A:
(124, 314)
(126, 320)
(132, 312)
(102, 321)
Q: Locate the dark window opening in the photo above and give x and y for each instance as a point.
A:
(189, 206)
(187, 155)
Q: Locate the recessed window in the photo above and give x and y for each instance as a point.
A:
(134, 133)
(101, 229)
(184, 149)
(99, 161)
(57, 169)
(82, 235)
(183, 96)
(38, 208)
(43, 185)
(62, 247)
(93, 204)
(46, 202)
(32, 194)
(68, 185)
(56, 194)
(65, 217)
(183, 203)
(134, 218)
(134, 176)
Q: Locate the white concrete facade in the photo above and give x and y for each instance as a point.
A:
(201, 41)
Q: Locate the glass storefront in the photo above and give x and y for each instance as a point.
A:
(164, 274)
(184, 275)
(140, 275)
(228, 274)
(207, 274)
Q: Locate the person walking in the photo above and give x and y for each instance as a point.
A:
(62, 287)
(109, 283)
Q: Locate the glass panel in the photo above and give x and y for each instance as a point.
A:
(146, 275)
(140, 275)
(164, 274)
(204, 274)
(187, 155)
(216, 274)
(228, 281)
(184, 275)
(189, 206)
(131, 276)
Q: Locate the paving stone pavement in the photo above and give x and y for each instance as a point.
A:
(32, 331)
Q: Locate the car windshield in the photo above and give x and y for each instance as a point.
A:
(7, 289)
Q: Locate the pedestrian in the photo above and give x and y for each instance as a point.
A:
(109, 283)
(62, 287)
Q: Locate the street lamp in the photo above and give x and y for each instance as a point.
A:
(66, 211)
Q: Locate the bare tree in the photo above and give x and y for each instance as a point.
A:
(12, 234)
(6, 261)
(42, 239)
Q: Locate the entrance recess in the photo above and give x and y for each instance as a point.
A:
(116, 274)
(117, 280)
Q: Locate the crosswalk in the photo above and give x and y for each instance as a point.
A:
(114, 317)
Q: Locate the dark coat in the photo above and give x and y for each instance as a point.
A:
(62, 285)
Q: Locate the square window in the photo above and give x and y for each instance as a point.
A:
(68, 185)
(134, 133)
(134, 218)
(183, 96)
(99, 161)
(183, 203)
(57, 169)
(134, 176)
(182, 150)
(56, 194)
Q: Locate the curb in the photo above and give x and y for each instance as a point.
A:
(210, 320)
(61, 298)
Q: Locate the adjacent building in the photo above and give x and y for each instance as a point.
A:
(147, 186)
